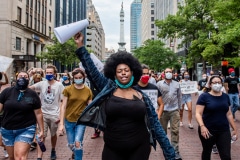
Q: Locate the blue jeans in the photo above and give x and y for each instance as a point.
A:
(75, 133)
(234, 100)
(20, 135)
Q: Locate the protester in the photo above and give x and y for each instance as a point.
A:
(176, 77)
(233, 90)
(22, 109)
(5, 78)
(72, 107)
(66, 79)
(214, 116)
(172, 99)
(151, 90)
(186, 99)
(202, 83)
(126, 115)
(51, 96)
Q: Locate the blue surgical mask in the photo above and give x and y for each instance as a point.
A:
(78, 81)
(49, 77)
(65, 78)
(187, 77)
(233, 74)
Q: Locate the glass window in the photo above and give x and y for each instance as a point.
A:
(50, 30)
(26, 19)
(19, 14)
(50, 15)
(18, 43)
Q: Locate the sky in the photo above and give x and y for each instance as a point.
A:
(109, 11)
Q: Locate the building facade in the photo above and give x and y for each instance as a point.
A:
(135, 24)
(25, 28)
(95, 36)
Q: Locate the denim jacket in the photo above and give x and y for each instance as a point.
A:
(106, 87)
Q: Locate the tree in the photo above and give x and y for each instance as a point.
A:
(156, 56)
(63, 53)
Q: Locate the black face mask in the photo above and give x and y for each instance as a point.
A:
(22, 84)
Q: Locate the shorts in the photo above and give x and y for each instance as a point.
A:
(186, 98)
(25, 135)
(50, 122)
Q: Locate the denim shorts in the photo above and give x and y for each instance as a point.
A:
(186, 98)
(20, 135)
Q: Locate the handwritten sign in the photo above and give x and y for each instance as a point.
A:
(188, 87)
(153, 96)
(96, 62)
(5, 63)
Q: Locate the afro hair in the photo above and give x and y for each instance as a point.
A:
(122, 57)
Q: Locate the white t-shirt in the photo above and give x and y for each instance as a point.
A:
(50, 96)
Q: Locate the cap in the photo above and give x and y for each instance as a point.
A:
(230, 70)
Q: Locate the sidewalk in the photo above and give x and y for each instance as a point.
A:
(190, 145)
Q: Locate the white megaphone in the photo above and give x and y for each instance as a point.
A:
(64, 33)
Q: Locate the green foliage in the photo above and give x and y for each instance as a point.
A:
(63, 53)
(156, 56)
(208, 27)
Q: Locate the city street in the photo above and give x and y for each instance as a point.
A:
(190, 146)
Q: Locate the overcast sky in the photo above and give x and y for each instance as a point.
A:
(109, 11)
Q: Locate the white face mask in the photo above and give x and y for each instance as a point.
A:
(168, 75)
(216, 87)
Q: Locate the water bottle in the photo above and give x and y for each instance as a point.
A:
(234, 138)
(41, 144)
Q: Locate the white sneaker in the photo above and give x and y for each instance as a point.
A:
(5, 153)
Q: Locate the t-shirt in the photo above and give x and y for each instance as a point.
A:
(153, 93)
(214, 114)
(77, 101)
(202, 83)
(232, 85)
(50, 96)
(19, 114)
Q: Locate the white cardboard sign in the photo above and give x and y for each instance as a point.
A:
(5, 63)
(188, 87)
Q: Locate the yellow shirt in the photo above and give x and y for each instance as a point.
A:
(77, 101)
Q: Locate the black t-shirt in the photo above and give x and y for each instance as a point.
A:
(202, 83)
(19, 114)
(232, 84)
(215, 111)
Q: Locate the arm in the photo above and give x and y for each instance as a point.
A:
(62, 112)
(98, 79)
(232, 124)
(1, 107)
(198, 115)
(161, 106)
(39, 117)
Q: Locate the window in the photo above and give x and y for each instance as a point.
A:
(35, 23)
(30, 21)
(35, 5)
(50, 15)
(18, 43)
(19, 14)
(26, 19)
(152, 25)
(152, 32)
(152, 18)
(31, 3)
(38, 26)
(50, 2)
(152, 12)
(50, 32)
(27, 2)
(152, 5)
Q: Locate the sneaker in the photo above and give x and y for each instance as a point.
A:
(53, 155)
(168, 126)
(95, 135)
(181, 124)
(177, 156)
(33, 146)
(5, 154)
(214, 149)
(190, 126)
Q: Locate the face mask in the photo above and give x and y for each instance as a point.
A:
(78, 81)
(125, 85)
(22, 83)
(204, 78)
(49, 77)
(216, 87)
(187, 77)
(232, 74)
(144, 79)
(168, 75)
(65, 78)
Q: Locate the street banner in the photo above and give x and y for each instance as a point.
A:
(96, 61)
(5, 63)
(188, 87)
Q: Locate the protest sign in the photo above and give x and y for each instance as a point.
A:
(5, 63)
(153, 96)
(96, 62)
(188, 87)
